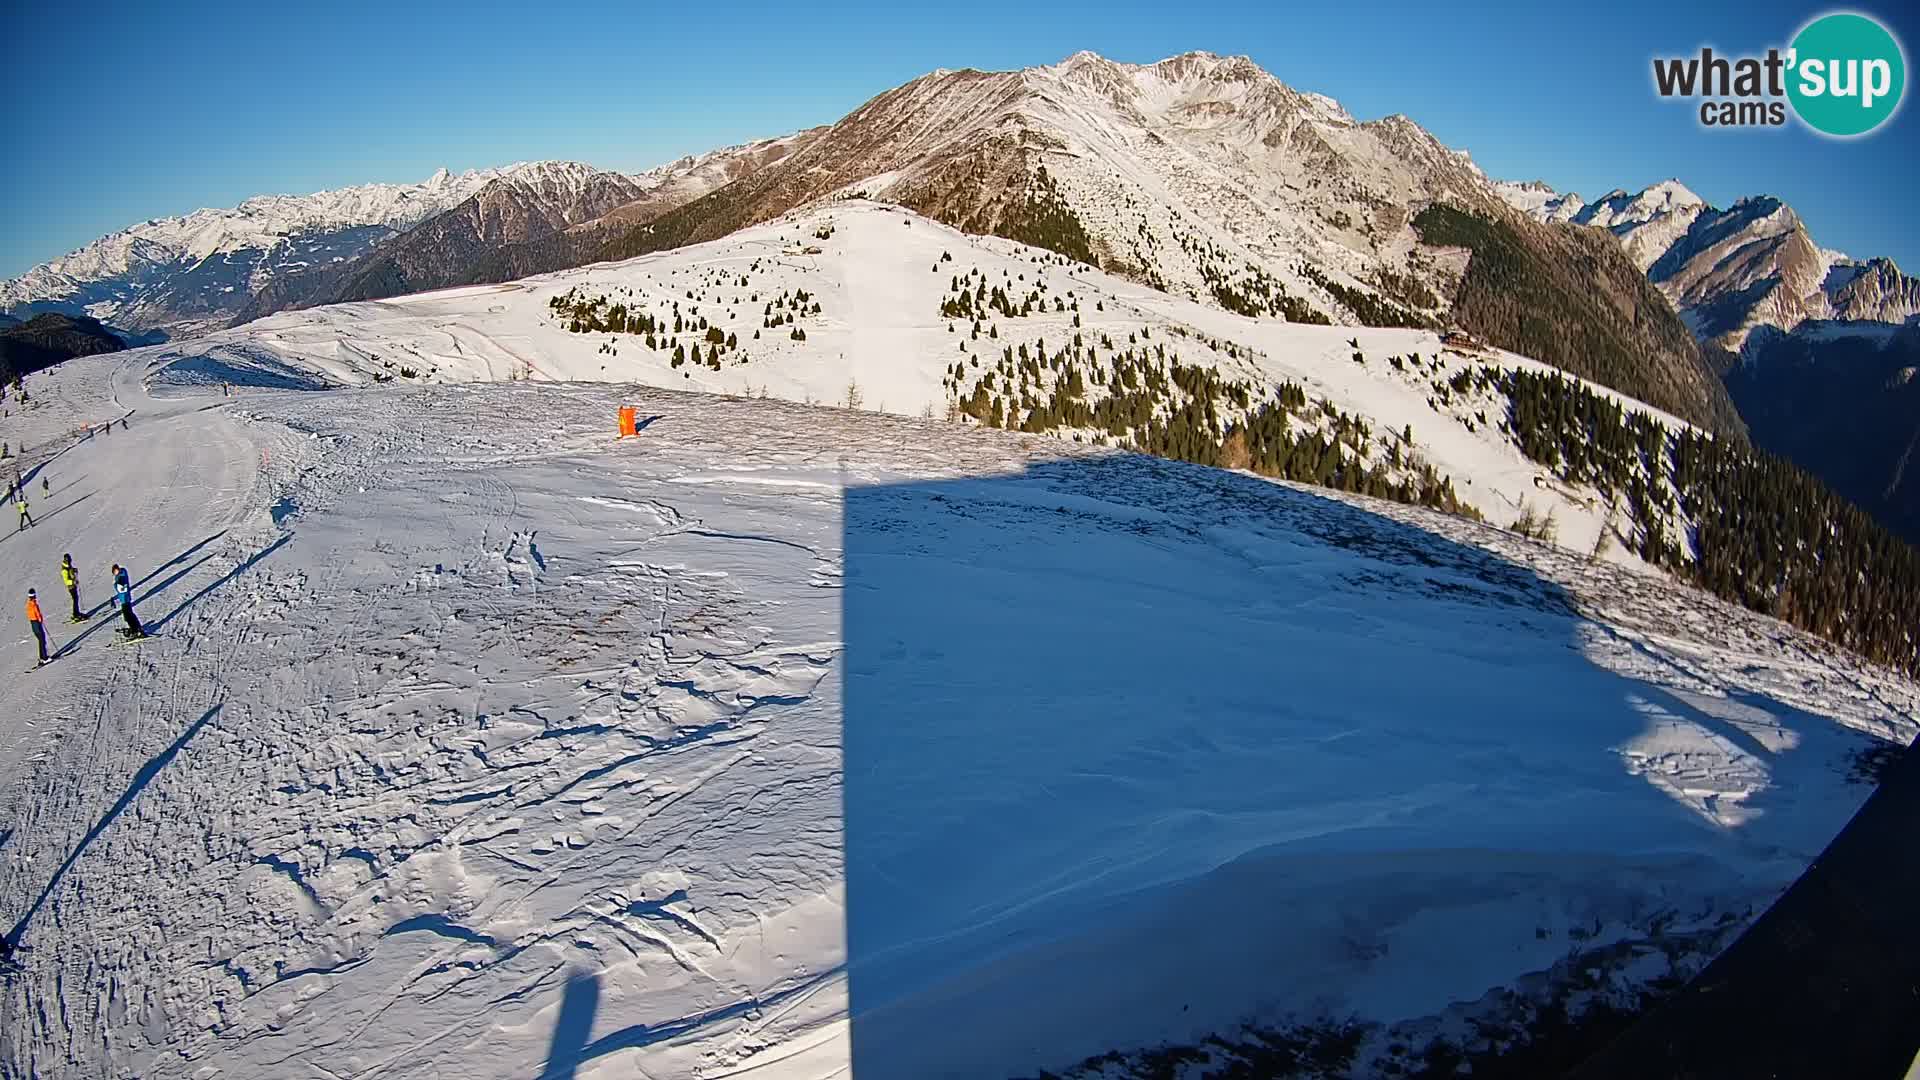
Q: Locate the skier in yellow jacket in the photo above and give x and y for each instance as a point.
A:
(71, 577)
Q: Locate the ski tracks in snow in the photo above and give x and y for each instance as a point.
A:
(478, 725)
(464, 713)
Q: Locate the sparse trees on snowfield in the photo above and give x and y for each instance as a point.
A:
(585, 313)
(1536, 526)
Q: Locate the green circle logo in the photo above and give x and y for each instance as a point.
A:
(1848, 74)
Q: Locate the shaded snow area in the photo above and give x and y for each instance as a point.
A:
(779, 740)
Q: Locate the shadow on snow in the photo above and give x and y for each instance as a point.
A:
(1125, 738)
(250, 562)
(102, 614)
(138, 784)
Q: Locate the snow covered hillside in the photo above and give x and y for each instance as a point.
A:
(475, 742)
(1203, 175)
(864, 298)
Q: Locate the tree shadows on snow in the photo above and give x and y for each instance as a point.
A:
(245, 565)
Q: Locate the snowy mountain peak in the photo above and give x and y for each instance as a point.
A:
(1183, 75)
(1085, 58)
(1538, 200)
(1673, 193)
(1618, 208)
(207, 263)
(1730, 271)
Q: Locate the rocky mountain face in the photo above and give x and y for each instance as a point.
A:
(511, 210)
(556, 218)
(47, 339)
(1647, 224)
(1198, 173)
(1841, 399)
(1538, 200)
(679, 182)
(1206, 177)
(1750, 265)
(1731, 272)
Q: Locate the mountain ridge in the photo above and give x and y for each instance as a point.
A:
(192, 273)
(1201, 175)
(49, 338)
(1731, 271)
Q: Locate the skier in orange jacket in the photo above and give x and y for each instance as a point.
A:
(38, 625)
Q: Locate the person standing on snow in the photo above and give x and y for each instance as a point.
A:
(26, 519)
(71, 578)
(38, 625)
(123, 595)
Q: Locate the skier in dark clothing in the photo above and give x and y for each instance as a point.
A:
(38, 626)
(123, 595)
(70, 577)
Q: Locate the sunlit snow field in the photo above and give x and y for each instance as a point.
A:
(475, 742)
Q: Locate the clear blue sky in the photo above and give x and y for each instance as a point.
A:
(122, 112)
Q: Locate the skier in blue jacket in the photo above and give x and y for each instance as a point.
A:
(123, 597)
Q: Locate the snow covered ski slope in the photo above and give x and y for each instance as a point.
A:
(782, 739)
(880, 278)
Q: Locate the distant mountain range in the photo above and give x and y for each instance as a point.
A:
(1731, 272)
(185, 276)
(1201, 175)
(188, 274)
